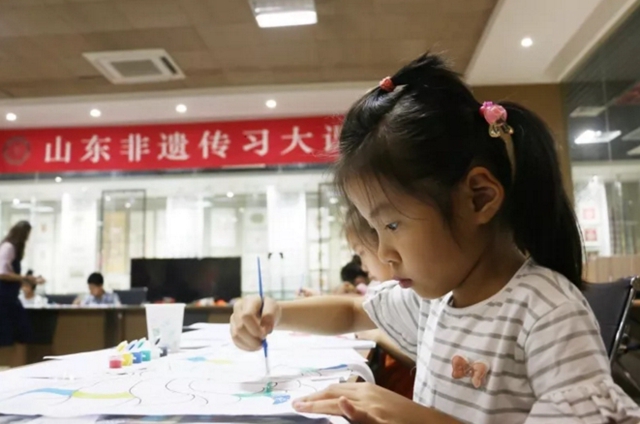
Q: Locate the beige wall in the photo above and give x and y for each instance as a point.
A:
(546, 101)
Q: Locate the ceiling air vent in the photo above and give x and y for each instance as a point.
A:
(135, 66)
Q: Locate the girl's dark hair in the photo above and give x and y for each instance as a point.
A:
(426, 135)
(351, 271)
(18, 235)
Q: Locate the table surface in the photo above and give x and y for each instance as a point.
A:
(5, 419)
(122, 308)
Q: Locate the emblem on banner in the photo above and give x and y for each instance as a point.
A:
(16, 150)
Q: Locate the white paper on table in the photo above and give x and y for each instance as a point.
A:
(280, 339)
(205, 382)
(75, 369)
(199, 344)
(53, 420)
(204, 325)
(208, 384)
(295, 373)
(292, 340)
(191, 395)
(97, 354)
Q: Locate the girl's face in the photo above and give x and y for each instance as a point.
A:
(424, 251)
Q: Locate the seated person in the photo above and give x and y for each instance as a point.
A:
(392, 368)
(39, 280)
(354, 278)
(28, 296)
(97, 295)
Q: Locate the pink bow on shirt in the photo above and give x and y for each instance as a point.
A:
(462, 368)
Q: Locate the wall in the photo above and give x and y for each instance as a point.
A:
(545, 100)
(86, 224)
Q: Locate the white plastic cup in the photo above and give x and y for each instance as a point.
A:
(164, 322)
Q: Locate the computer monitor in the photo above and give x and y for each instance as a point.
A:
(61, 299)
(187, 280)
(135, 296)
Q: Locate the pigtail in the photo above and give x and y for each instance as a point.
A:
(541, 216)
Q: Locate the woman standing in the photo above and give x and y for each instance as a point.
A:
(14, 322)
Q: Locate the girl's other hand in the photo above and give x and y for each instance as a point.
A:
(305, 292)
(373, 335)
(248, 327)
(345, 288)
(366, 403)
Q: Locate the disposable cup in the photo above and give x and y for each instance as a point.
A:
(164, 325)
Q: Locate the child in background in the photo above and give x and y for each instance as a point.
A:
(97, 294)
(28, 296)
(391, 367)
(466, 204)
(354, 278)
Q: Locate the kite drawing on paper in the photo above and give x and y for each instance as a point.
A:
(205, 382)
(153, 394)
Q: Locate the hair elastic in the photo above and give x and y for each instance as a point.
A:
(496, 117)
(387, 84)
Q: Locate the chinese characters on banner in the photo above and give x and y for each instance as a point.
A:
(175, 146)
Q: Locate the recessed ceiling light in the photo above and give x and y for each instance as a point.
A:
(279, 13)
(594, 137)
(58, 179)
(230, 194)
(11, 116)
(107, 198)
(95, 113)
(271, 103)
(16, 201)
(526, 42)
(181, 108)
(333, 200)
(127, 205)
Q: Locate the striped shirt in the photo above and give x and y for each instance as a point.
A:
(534, 350)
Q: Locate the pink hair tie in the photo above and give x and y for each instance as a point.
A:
(387, 84)
(496, 117)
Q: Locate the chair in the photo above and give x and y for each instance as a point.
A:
(611, 303)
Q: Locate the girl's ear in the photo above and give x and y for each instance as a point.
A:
(485, 194)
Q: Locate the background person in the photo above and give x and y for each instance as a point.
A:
(15, 329)
(97, 294)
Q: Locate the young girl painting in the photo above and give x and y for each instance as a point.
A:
(465, 203)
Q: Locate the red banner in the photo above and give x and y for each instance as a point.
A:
(170, 146)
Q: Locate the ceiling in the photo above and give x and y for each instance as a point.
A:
(608, 82)
(232, 67)
(218, 43)
(202, 105)
(564, 32)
